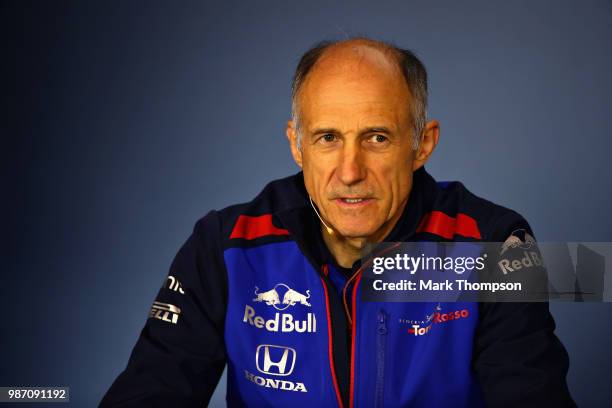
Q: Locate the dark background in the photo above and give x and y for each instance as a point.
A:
(124, 122)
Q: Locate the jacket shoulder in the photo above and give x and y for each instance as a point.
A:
(257, 217)
(494, 222)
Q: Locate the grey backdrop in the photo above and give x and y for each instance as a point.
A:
(130, 120)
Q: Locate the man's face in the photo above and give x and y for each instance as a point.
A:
(356, 132)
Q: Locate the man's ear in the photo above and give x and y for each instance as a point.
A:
(429, 141)
(292, 137)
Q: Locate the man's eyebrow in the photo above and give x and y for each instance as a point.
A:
(376, 129)
(370, 129)
(318, 131)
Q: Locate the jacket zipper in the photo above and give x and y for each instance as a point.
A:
(353, 328)
(324, 277)
(381, 345)
(352, 321)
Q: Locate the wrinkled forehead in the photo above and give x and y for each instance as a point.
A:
(354, 79)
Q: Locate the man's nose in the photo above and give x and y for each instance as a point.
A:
(351, 169)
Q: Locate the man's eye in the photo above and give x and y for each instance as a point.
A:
(379, 138)
(328, 137)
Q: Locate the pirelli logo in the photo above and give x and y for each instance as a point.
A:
(165, 312)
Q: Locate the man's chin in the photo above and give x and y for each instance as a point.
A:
(354, 233)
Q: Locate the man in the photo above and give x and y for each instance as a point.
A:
(270, 287)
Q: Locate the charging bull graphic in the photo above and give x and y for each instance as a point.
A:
(270, 297)
(290, 297)
(519, 238)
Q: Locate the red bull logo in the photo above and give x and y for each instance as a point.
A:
(281, 322)
(290, 297)
(518, 239)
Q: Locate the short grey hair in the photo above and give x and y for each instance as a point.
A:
(412, 69)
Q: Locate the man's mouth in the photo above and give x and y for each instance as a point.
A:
(352, 202)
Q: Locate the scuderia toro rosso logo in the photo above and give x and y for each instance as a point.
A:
(422, 327)
(283, 322)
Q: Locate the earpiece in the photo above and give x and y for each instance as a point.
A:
(329, 229)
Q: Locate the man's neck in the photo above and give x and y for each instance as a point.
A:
(348, 250)
(345, 250)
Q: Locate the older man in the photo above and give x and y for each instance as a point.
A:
(270, 287)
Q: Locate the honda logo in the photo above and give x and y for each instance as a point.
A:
(275, 360)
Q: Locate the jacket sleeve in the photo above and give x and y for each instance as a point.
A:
(519, 360)
(180, 354)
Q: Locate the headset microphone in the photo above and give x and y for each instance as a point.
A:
(329, 229)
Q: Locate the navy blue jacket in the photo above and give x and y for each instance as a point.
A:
(254, 288)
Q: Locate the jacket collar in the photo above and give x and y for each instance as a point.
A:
(304, 226)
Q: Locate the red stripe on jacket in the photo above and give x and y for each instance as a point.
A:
(248, 227)
(438, 223)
